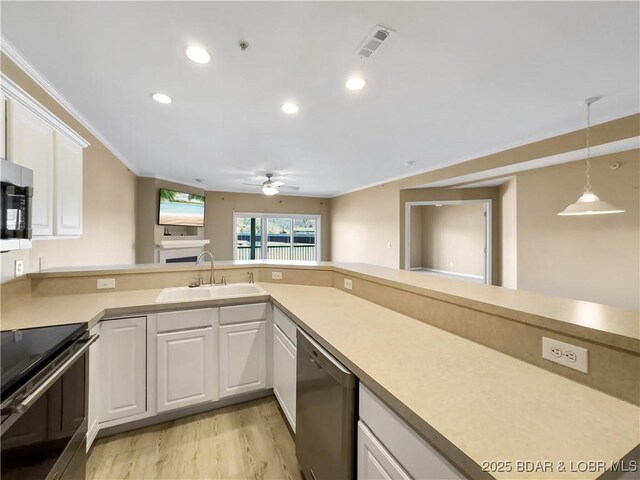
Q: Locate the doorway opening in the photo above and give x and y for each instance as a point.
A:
(450, 238)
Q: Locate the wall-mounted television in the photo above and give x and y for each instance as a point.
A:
(179, 208)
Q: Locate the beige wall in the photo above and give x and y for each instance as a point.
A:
(453, 238)
(109, 190)
(365, 226)
(222, 205)
(509, 234)
(595, 258)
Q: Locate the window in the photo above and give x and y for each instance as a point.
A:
(286, 237)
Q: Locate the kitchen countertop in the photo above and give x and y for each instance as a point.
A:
(488, 405)
(601, 323)
(92, 307)
(474, 403)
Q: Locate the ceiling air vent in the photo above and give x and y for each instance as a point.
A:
(376, 38)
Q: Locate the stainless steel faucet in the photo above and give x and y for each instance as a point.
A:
(212, 281)
(250, 274)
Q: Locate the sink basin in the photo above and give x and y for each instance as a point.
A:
(236, 290)
(179, 294)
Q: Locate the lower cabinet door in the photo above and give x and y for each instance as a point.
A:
(243, 358)
(123, 368)
(284, 374)
(185, 365)
(374, 461)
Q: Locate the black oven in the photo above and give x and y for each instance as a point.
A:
(44, 403)
(16, 192)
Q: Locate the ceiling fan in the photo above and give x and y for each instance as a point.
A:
(270, 187)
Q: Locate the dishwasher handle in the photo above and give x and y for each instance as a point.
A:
(322, 359)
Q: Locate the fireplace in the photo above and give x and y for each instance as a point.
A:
(189, 259)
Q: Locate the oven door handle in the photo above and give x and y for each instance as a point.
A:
(51, 379)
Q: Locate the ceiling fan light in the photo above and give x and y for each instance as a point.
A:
(270, 190)
(589, 204)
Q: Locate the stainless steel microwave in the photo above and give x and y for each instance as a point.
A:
(15, 206)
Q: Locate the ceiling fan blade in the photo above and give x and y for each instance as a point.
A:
(277, 184)
(288, 187)
(252, 184)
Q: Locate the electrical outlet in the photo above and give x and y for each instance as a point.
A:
(19, 269)
(389, 245)
(106, 283)
(276, 275)
(348, 284)
(566, 354)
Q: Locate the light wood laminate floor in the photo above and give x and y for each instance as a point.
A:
(246, 441)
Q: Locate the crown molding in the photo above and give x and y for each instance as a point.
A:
(16, 57)
(14, 92)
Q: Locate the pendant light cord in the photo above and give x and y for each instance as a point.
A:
(587, 187)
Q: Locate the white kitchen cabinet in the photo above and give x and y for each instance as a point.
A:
(400, 442)
(284, 374)
(374, 461)
(68, 186)
(30, 144)
(123, 360)
(243, 358)
(93, 410)
(185, 368)
(3, 126)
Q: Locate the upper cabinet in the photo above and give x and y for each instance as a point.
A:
(30, 144)
(34, 138)
(68, 186)
(3, 126)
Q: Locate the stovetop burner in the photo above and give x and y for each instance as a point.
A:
(25, 352)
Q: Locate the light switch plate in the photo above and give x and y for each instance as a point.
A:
(276, 275)
(106, 283)
(19, 269)
(565, 354)
(348, 284)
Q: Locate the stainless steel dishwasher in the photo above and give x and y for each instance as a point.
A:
(325, 414)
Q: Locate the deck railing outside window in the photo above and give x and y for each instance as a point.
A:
(280, 252)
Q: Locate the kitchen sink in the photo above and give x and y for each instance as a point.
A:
(178, 294)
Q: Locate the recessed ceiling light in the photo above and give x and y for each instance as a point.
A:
(290, 108)
(356, 83)
(198, 54)
(161, 98)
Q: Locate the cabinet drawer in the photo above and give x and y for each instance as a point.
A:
(374, 461)
(287, 325)
(185, 319)
(243, 313)
(416, 455)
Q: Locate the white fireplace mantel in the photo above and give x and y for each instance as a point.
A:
(188, 243)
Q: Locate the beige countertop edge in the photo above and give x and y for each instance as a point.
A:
(153, 268)
(129, 309)
(572, 317)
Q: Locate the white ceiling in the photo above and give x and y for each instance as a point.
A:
(456, 81)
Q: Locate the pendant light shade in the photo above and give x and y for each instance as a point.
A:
(589, 203)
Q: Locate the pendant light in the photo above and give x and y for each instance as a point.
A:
(589, 203)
